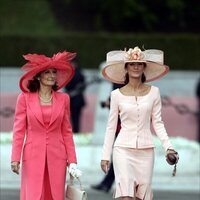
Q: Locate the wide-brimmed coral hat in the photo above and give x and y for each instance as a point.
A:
(114, 69)
(38, 63)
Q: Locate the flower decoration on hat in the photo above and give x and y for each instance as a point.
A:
(134, 54)
(114, 69)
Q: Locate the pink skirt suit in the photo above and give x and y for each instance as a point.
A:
(133, 149)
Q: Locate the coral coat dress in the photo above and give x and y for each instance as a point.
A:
(42, 146)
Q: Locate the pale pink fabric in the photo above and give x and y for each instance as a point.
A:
(133, 172)
(136, 115)
(50, 145)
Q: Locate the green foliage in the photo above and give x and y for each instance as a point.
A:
(58, 16)
(49, 26)
(24, 17)
(132, 15)
(181, 50)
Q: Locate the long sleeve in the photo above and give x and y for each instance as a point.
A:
(67, 133)
(19, 128)
(111, 128)
(158, 123)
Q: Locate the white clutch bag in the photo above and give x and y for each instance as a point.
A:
(74, 192)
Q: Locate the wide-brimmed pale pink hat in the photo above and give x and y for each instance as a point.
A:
(38, 63)
(114, 69)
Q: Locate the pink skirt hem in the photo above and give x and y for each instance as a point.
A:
(133, 172)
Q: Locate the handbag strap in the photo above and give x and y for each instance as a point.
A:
(177, 158)
(72, 181)
(175, 153)
(174, 171)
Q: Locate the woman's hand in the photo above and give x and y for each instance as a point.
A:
(105, 166)
(15, 166)
(172, 156)
(170, 151)
(74, 171)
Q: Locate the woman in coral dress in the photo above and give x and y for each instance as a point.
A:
(43, 143)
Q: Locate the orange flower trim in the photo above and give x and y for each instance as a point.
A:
(134, 54)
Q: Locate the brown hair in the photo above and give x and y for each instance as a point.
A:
(143, 79)
(34, 84)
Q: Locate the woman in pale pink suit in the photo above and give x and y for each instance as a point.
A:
(42, 136)
(137, 104)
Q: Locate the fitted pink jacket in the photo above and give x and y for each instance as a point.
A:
(38, 144)
(136, 115)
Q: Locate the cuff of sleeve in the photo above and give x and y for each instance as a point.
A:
(105, 157)
(166, 147)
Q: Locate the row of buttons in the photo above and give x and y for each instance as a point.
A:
(138, 110)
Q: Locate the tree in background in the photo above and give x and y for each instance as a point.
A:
(128, 15)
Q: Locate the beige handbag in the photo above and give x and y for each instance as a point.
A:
(75, 193)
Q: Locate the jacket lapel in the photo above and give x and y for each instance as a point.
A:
(57, 106)
(35, 107)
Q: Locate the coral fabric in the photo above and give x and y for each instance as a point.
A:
(38, 63)
(52, 146)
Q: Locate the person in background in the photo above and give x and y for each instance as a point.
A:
(138, 105)
(43, 144)
(107, 182)
(198, 104)
(75, 89)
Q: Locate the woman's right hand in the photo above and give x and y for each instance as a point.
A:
(15, 166)
(105, 166)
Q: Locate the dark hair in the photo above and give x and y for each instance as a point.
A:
(143, 79)
(34, 84)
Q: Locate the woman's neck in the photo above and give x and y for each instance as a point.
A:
(45, 91)
(135, 84)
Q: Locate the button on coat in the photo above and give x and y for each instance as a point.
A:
(52, 145)
(136, 115)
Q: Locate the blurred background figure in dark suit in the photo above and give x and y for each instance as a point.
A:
(108, 180)
(198, 104)
(76, 89)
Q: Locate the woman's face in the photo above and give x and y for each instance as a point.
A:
(135, 69)
(48, 77)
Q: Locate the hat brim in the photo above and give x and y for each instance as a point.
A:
(115, 72)
(65, 72)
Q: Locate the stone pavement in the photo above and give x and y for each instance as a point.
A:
(95, 195)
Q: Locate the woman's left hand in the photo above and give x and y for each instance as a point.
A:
(172, 156)
(74, 171)
(170, 151)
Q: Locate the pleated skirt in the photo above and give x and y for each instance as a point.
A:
(133, 170)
